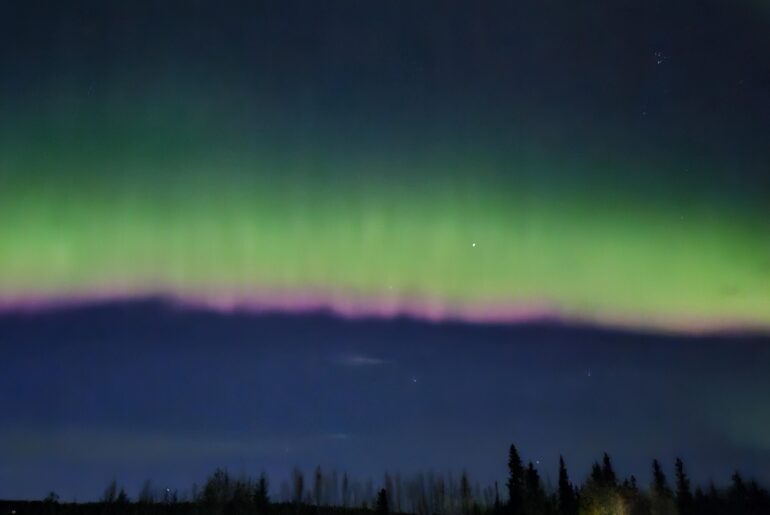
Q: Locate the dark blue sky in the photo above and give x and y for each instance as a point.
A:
(146, 390)
(688, 77)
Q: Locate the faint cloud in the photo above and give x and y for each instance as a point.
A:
(339, 436)
(362, 361)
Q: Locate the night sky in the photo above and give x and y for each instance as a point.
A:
(381, 236)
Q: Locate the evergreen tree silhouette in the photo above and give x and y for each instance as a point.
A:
(684, 499)
(298, 483)
(535, 499)
(596, 474)
(659, 481)
(736, 495)
(217, 492)
(382, 502)
(629, 484)
(700, 501)
(318, 486)
(608, 473)
(714, 501)
(466, 497)
(757, 498)
(240, 501)
(110, 494)
(146, 495)
(567, 500)
(388, 486)
(122, 497)
(515, 482)
(662, 499)
(261, 496)
(345, 490)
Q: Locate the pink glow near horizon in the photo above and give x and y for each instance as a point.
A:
(353, 307)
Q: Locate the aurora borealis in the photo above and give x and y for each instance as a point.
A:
(381, 236)
(383, 247)
(478, 167)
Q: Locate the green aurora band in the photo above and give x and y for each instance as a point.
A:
(111, 210)
(500, 162)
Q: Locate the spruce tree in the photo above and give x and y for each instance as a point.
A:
(662, 499)
(122, 497)
(146, 494)
(736, 495)
(515, 482)
(110, 493)
(596, 474)
(345, 490)
(659, 481)
(261, 496)
(466, 496)
(684, 499)
(534, 494)
(382, 502)
(298, 483)
(608, 473)
(567, 501)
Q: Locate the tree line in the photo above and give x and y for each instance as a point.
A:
(603, 492)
